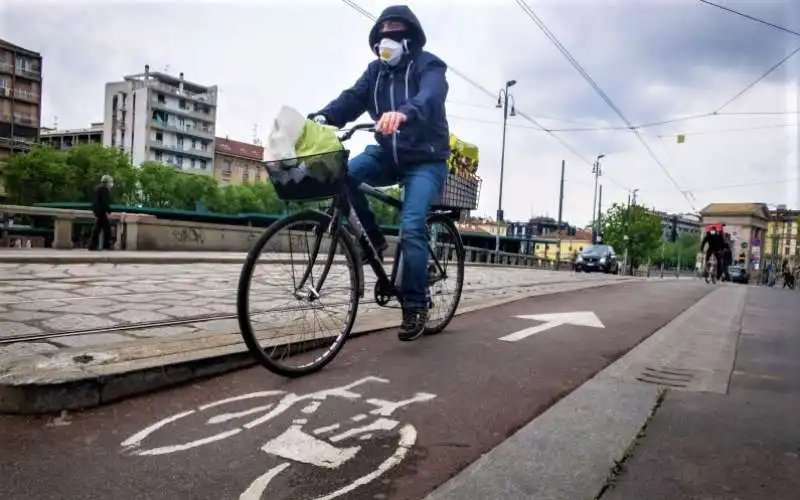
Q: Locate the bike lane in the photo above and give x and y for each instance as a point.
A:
(385, 420)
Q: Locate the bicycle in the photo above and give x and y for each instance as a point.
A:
(324, 177)
(710, 274)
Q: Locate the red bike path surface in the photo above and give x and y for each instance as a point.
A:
(459, 394)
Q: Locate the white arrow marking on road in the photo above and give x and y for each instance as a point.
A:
(579, 318)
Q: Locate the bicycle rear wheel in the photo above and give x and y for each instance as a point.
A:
(275, 342)
(446, 258)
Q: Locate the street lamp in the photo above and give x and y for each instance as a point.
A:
(597, 173)
(503, 98)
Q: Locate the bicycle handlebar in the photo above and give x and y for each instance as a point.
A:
(367, 127)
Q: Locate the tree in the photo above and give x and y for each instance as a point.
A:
(88, 163)
(38, 176)
(642, 228)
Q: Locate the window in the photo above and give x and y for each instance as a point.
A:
(193, 163)
(159, 137)
(180, 142)
(180, 161)
(202, 164)
(161, 99)
(227, 166)
(245, 174)
(194, 144)
(182, 104)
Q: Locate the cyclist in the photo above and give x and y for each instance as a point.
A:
(727, 256)
(404, 92)
(716, 244)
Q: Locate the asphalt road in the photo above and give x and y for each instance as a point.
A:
(385, 420)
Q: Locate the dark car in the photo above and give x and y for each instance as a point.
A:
(597, 258)
(739, 274)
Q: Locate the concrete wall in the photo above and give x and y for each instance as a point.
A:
(169, 235)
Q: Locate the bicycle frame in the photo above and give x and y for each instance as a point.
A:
(341, 205)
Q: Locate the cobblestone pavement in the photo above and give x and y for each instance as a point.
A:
(41, 298)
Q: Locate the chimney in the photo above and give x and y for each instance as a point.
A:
(146, 72)
(180, 83)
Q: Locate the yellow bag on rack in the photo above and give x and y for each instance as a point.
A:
(463, 159)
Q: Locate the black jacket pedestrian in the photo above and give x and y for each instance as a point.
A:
(101, 199)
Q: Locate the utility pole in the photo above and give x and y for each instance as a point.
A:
(597, 173)
(504, 97)
(560, 208)
(599, 211)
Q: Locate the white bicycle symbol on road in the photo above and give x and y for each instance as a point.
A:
(294, 444)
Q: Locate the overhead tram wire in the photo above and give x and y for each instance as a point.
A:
(575, 64)
(748, 16)
(353, 5)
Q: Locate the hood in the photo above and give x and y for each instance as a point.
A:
(400, 13)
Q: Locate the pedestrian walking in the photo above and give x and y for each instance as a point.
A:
(101, 207)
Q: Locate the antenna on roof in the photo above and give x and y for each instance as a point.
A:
(55, 122)
(256, 140)
(166, 68)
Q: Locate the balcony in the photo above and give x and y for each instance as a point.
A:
(191, 113)
(26, 95)
(15, 143)
(183, 150)
(27, 120)
(31, 73)
(6, 67)
(209, 98)
(206, 132)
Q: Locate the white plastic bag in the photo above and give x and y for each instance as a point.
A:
(286, 130)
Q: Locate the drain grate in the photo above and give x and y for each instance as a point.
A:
(667, 376)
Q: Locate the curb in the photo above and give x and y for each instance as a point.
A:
(35, 386)
(12, 257)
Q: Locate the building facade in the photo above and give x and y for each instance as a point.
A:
(675, 225)
(781, 241)
(237, 162)
(154, 116)
(20, 98)
(68, 138)
(537, 228)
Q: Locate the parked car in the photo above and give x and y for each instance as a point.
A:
(597, 258)
(739, 274)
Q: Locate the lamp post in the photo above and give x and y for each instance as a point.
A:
(597, 173)
(503, 98)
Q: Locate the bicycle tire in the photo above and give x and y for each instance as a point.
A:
(460, 266)
(243, 296)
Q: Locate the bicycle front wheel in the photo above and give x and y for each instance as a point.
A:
(446, 258)
(320, 291)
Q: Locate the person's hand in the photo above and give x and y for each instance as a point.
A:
(389, 122)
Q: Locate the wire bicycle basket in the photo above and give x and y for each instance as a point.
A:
(460, 192)
(309, 178)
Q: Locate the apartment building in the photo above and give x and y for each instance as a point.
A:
(20, 98)
(159, 117)
(237, 162)
(68, 138)
(674, 225)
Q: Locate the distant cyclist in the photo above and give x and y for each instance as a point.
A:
(727, 256)
(404, 91)
(714, 244)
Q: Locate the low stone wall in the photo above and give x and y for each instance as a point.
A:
(171, 235)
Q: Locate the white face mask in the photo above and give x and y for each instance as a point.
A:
(390, 51)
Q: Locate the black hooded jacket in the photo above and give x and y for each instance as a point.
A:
(416, 86)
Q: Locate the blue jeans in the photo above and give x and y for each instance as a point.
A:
(423, 183)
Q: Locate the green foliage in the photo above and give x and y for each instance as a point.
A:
(642, 228)
(48, 175)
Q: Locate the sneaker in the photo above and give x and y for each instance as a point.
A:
(413, 324)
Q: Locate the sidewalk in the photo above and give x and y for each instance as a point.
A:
(743, 445)
(96, 332)
(705, 408)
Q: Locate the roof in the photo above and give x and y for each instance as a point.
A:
(16, 48)
(758, 210)
(237, 148)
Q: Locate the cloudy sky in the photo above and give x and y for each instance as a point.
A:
(657, 60)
